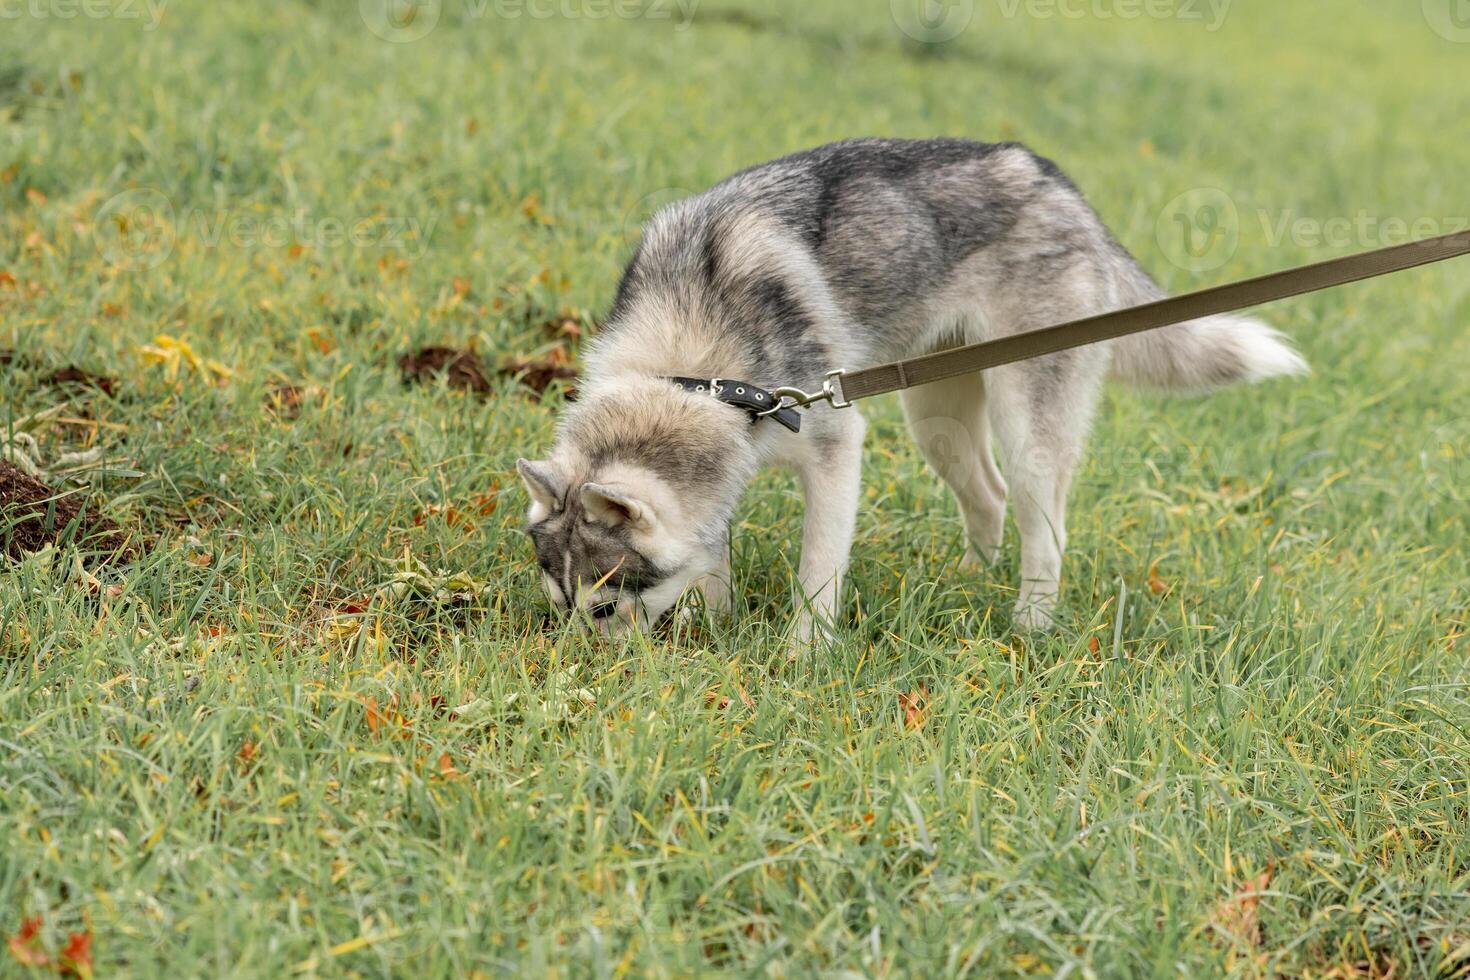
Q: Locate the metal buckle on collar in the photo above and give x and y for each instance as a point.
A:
(830, 394)
(779, 404)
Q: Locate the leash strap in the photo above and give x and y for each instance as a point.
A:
(1228, 298)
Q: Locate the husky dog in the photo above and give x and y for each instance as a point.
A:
(848, 256)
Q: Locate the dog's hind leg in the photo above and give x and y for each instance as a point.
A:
(948, 421)
(1041, 411)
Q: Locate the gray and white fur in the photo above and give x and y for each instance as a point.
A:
(850, 255)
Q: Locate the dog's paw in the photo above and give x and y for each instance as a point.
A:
(808, 635)
(1035, 617)
(716, 593)
(978, 560)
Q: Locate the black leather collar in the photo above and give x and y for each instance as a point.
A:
(758, 402)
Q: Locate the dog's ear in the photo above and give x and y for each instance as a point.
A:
(543, 483)
(615, 508)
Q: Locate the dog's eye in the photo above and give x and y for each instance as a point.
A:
(603, 610)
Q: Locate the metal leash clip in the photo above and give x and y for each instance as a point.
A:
(803, 399)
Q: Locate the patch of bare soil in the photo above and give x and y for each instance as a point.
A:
(460, 368)
(33, 515)
(538, 375)
(569, 327)
(463, 369)
(73, 376)
(284, 400)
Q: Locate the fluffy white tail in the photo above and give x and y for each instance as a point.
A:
(1203, 355)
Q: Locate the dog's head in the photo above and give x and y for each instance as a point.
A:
(618, 546)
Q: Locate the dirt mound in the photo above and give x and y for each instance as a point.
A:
(461, 368)
(284, 400)
(538, 375)
(70, 376)
(33, 515)
(79, 378)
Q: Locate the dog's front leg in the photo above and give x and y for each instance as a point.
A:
(831, 477)
(717, 587)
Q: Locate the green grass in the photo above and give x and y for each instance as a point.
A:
(1263, 662)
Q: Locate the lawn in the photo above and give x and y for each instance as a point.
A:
(325, 722)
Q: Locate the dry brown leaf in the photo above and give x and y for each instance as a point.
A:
(915, 706)
(76, 955)
(370, 712)
(446, 768)
(485, 503)
(386, 719)
(1237, 918)
(24, 947)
